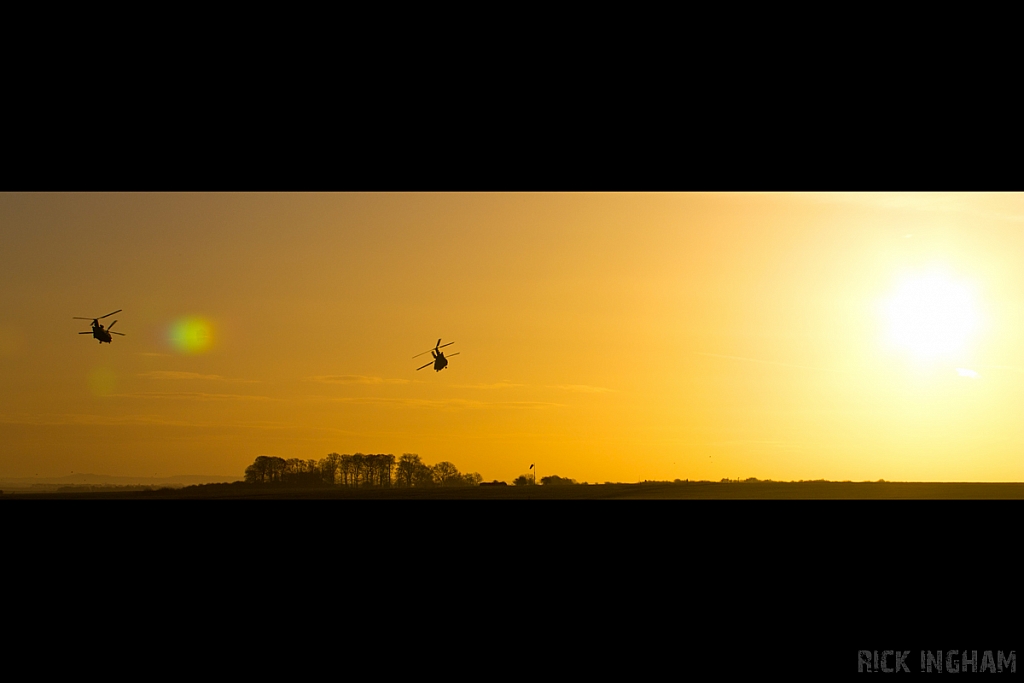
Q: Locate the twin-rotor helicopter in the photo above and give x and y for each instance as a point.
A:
(98, 331)
(439, 362)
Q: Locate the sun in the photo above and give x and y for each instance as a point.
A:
(932, 315)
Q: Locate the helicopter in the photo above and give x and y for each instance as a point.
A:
(439, 362)
(97, 330)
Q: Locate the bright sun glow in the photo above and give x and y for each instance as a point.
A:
(932, 315)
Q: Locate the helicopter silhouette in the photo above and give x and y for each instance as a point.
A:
(97, 329)
(439, 362)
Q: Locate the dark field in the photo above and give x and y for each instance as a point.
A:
(647, 491)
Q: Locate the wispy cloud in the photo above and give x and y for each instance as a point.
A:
(496, 385)
(754, 442)
(523, 404)
(84, 419)
(355, 379)
(77, 419)
(177, 375)
(923, 201)
(580, 388)
(1011, 368)
(445, 403)
(191, 395)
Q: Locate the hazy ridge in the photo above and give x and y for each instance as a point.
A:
(86, 479)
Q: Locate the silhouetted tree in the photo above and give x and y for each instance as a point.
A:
(358, 468)
(555, 480)
(278, 466)
(345, 468)
(329, 468)
(379, 467)
(301, 472)
(523, 480)
(266, 469)
(423, 475)
(387, 466)
(256, 473)
(411, 471)
(405, 473)
(371, 469)
(378, 470)
(446, 474)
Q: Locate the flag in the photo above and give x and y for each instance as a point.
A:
(531, 467)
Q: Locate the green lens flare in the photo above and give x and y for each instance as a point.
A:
(191, 335)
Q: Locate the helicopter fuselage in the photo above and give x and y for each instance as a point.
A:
(99, 333)
(440, 362)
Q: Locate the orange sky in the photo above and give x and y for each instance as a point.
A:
(606, 337)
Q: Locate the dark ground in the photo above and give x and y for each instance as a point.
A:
(749, 585)
(645, 491)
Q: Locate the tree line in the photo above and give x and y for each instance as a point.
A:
(357, 470)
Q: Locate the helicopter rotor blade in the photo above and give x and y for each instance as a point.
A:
(439, 346)
(109, 314)
(425, 366)
(452, 355)
(91, 333)
(109, 327)
(79, 318)
(433, 349)
(120, 333)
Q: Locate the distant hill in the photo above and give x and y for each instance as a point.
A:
(107, 479)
